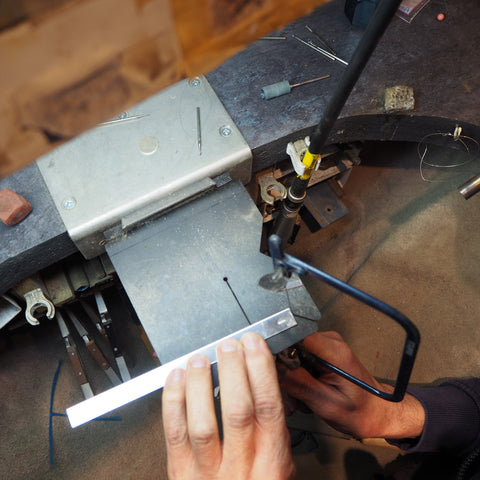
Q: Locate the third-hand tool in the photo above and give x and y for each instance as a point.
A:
(107, 324)
(285, 265)
(282, 88)
(93, 349)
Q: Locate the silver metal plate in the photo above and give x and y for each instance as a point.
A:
(155, 379)
(118, 168)
(192, 275)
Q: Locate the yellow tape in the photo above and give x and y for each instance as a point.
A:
(310, 161)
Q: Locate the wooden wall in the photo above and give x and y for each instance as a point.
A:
(67, 65)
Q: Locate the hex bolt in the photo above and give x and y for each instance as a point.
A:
(225, 131)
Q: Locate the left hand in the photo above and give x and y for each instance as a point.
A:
(256, 442)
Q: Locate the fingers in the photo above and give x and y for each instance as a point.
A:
(190, 424)
(256, 442)
(264, 384)
(255, 434)
(174, 414)
(302, 386)
(237, 407)
(201, 418)
(272, 442)
(329, 346)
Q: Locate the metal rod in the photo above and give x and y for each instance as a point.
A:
(278, 37)
(321, 50)
(309, 81)
(314, 47)
(199, 132)
(321, 39)
(318, 49)
(471, 187)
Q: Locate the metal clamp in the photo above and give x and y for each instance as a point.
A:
(36, 300)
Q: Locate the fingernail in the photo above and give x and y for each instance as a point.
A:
(251, 341)
(229, 345)
(198, 361)
(175, 375)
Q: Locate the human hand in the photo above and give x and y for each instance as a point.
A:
(342, 404)
(256, 443)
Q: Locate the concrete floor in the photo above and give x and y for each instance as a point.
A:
(408, 242)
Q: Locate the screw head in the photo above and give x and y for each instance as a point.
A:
(195, 82)
(225, 131)
(123, 115)
(68, 203)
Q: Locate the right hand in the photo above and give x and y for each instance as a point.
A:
(342, 404)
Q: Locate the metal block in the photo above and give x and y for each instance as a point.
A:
(324, 205)
(130, 164)
(192, 275)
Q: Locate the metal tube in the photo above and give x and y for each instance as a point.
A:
(470, 188)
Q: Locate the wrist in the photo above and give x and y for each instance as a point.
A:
(405, 419)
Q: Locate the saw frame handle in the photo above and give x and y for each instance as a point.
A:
(285, 264)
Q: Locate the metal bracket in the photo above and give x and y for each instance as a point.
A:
(127, 170)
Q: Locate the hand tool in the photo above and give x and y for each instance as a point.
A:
(95, 319)
(107, 324)
(93, 348)
(318, 49)
(74, 357)
(285, 265)
(155, 379)
(33, 290)
(282, 88)
(321, 39)
(37, 302)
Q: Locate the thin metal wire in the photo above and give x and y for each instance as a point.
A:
(456, 138)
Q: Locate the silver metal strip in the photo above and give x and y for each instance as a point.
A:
(155, 379)
(122, 368)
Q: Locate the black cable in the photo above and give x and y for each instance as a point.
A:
(376, 27)
(384, 12)
(467, 464)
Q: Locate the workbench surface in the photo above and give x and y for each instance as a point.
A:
(439, 60)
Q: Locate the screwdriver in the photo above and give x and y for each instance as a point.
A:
(282, 88)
